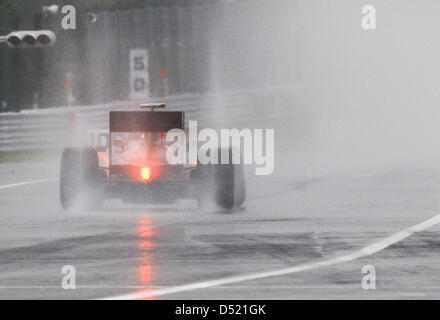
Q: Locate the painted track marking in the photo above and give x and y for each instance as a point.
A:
(364, 252)
(13, 185)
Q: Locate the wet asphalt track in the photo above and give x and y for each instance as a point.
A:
(285, 222)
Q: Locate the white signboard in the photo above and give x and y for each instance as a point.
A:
(139, 80)
(97, 139)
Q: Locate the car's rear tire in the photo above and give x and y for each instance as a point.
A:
(204, 182)
(223, 184)
(81, 179)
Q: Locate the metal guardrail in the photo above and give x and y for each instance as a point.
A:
(53, 128)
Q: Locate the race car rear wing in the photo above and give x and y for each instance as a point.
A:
(141, 121)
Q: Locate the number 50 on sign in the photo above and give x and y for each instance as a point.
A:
(139, 80)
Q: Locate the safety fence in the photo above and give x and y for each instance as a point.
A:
(58, 127)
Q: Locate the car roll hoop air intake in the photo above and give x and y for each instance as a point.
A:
(153, 106)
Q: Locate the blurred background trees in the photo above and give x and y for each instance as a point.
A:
(203, 45)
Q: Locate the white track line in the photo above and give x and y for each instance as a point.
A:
(366, 251)
(21, 184)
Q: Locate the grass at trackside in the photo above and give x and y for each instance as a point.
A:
(28, 155)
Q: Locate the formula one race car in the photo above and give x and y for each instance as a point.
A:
(134, 167)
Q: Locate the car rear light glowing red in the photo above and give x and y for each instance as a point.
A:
(145, 174)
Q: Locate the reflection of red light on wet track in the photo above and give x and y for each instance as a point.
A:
(145, 269)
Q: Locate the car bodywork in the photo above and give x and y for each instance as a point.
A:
(135, 169)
